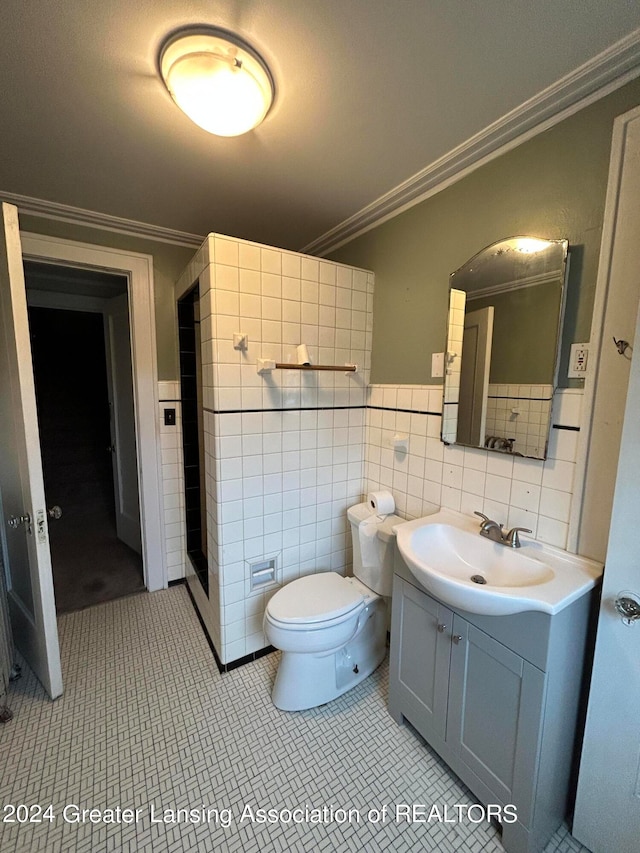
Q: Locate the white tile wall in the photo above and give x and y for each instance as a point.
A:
(282, 480)
(285, 481)
(288, 452)
(520, 412)
(513, 490)
(285, 450)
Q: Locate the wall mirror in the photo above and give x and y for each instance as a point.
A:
(503, 334)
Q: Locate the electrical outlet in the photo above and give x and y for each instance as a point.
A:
(578, 361)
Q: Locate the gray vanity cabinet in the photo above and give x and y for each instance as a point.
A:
(420, 669)
(495, 698)
(495, 703)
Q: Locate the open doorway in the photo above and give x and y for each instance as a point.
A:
(80, 339)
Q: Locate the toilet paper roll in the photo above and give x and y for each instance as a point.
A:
(303, 354)
(381, 502)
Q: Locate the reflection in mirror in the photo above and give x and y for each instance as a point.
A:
(505, 318)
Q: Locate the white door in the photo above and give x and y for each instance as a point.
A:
(474, 376)
(619, 279)
(607, 815)
(123, 428)
(24, 516)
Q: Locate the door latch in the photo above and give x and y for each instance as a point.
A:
(14, 521)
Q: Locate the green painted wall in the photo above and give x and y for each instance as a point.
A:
(168, 263)
(525, 334)
(552, 186)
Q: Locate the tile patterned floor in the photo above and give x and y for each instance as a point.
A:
(147, 721)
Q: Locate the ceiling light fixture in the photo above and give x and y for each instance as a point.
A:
(217, 79)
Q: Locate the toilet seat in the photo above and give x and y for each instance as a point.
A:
(313, 600)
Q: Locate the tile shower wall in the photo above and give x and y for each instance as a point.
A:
(285, 450)
(515, 491)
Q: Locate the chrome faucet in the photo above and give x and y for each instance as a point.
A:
(492, 530)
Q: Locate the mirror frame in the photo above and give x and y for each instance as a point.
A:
(528, 410)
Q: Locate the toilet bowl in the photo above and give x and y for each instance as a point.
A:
(332, 630)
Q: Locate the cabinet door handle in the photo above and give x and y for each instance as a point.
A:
(456, 638)
(441, 627)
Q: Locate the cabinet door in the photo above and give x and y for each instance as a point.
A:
(495, 712)
(420, 650)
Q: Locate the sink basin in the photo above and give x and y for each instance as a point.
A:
(462, 555)
(450, 559)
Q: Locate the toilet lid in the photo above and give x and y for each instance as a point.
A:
(314, 598)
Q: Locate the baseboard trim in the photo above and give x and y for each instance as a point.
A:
(234, 664)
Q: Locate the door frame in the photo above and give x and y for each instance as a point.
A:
(138, 269)
(482, 320)
(619, 142)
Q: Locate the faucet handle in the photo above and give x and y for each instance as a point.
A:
(486, 521)
(512, 539)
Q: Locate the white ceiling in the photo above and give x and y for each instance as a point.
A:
(369, 93)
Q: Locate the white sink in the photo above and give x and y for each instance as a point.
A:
(450, 559)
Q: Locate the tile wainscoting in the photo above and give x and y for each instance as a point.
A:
(289, 451)
(520, 413)
(307, 466)
(513, 490)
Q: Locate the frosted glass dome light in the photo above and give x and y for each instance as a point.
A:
(217, 80)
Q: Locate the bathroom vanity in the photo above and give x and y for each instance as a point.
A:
(498, 697)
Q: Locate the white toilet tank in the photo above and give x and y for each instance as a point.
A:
(376, 570)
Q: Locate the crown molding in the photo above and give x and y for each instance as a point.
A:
(606, 72)
(103, 221)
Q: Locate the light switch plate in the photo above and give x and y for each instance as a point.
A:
(437, 364)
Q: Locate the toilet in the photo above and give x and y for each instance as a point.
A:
(332, 630)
